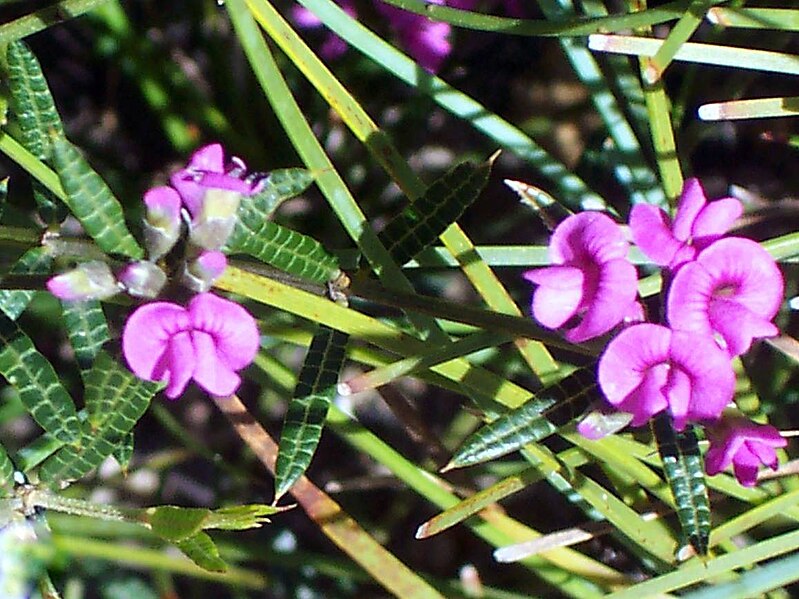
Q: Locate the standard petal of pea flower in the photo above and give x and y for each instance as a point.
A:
(733, 290)
(207, 341)
(591, 278)
(647, 369)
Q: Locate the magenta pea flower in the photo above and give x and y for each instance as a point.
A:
(333, 46)
(696, 225)
(211, 190)
(733, 290)
(425, 40)
(208, 341)
(743, 444)
(648, 368)
(591, 278)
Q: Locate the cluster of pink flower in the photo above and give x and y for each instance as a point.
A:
(428, 42)
(722, 294)
(211, 338)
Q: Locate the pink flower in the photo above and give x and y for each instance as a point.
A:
(696, 225)
(211, 190)
(647, 369)
(333, 46)
(744, 444)
(592, 278)
(733, 289)
(425, 40)
(208, 341)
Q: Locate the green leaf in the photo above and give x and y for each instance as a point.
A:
(6, 473)
(124, 452)
(201, 550)
(92, 203)
(38, 385)
(307, 411)
(279, 186)
(240, 517)
(37, 118)
(36, 261)
(115, 400)
(685, 473)
(30, 100)
(535, 420)
(87, 329)
(420, 224)
(282, 248)
(174, 523)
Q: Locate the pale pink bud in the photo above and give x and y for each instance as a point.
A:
(142, 279)
(162, 220)
(214, 223)
(199, 274)
(89, 281)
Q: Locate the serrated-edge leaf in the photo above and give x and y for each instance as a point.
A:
(240, 517)
(306, 413)
(173, 523)
(35, 261)
(115, 400)
(87, 329)
(685, 473)
(278, 187)
(37, 383)
(123, 452)
(423, 221)
(31, 102)
(538, 418)
(283, 248)
(92, 202)
(202, 551)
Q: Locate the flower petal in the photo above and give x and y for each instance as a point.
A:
(587, 237)
(213, 372)
(557, 298)
(233, 329)
(678, 395)
(738, 326)
(147, 334)
(651, 230)
(612, 300)
(629, 357)
(647, 399)
(692, 200)
(714, 220)
(177, 364)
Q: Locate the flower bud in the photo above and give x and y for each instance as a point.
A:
(199, 274)
(214, 223)
(162, 221)
(142, 279)
(89, 281)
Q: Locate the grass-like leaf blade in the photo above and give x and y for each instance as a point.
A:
(36, 261)
(685, 473)
(287, 250)
(115, 400)
(535, 420)
(92, 202)
(87, 329)
(305, 417)
(421, 222)
(278, 187)
(39, 387)
(36, 116)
